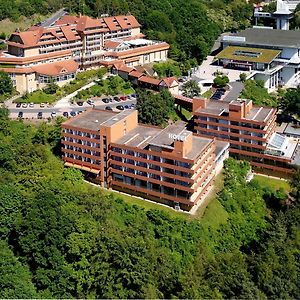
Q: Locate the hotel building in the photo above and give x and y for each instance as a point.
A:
(56, 52)
(169, 165)
(249, 129)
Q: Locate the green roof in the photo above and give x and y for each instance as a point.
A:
(248, 54)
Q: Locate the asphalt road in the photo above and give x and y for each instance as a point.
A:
(31, 113)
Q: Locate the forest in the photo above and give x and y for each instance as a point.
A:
(191, 27)
(63, 238)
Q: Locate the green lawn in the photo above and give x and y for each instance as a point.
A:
(37, 97)
(207, 94)
(147, 205)
(214, 215)
(272, 182)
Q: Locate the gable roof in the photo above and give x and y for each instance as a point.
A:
(56, 68)
(169, 81)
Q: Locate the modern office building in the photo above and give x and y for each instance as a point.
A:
(270, 55)
(169, 165)
(55, 52)
(249, 129)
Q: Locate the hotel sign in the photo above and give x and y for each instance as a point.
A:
(177, 137)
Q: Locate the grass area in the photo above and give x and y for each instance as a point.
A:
(37, 97)
(274, 183)
(8, 27)
(147, 205)
(214, 215)
(207, 94)
(188, 115)
(110, 87)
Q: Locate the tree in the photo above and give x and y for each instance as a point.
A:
(291, 102)
(243, 77)
(15, 278)
(51, 88)
(191, 89)
(221, 80)
(6, 85)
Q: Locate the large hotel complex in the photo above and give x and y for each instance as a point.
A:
(56, 52)
(170, 165)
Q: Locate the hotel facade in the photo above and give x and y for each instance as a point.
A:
(249, 129)
(169, 165)
(56, 52)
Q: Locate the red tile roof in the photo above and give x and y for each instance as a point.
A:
(150, 80)
(57, 68)
(135, 74)
(110, 44)
(169, 80)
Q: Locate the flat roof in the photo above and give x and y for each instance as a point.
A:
(93, 119)
(292, 129)
(217, 108)
(143, 136)
(247, 54)
(270, 37)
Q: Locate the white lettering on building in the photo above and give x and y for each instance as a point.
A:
(177, 137)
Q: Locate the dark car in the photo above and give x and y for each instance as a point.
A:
(105, 100)
(120, 107)
(18, 105)
(20, 114)
(126, 106)
(79, 112)
(110, 99)
(73, 113)
(108, 108)
(40, 115)
(80, 103)
(65, 114)
(117, 99)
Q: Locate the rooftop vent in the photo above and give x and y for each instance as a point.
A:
(96, 121)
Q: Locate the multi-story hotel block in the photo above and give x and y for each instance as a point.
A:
(169, 165)
(249, 129)
(55, 53)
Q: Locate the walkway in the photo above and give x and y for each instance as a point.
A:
(65, 101)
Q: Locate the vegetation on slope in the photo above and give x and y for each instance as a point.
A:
(62, 238)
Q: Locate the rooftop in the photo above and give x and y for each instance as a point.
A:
(218, 108)
(248, 54)
(143, 136)
(94, 118)
(269, 37)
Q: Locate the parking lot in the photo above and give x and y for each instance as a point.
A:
(45, 111)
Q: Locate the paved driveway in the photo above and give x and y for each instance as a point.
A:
(234, 92)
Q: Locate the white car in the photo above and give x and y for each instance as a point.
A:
(53, 114)
(91, 102)
(31, 104)
(24, 105)
(42, 105)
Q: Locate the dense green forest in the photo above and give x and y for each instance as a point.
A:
(62, 238)
(190, 27)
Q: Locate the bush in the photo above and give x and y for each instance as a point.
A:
(221, 80)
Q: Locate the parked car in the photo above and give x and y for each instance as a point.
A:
(108, 108)
(117, 99)
(126, 106)
(110, 99)
(79, 112)
(40, 115)
(42, 105)
(20, 114)
(105, 100)
(24, 105)
(120, 107)
(18, 105)
(65, 114)
(132, 105)
(80, 103)
(123, 98)
(53, 114)
(31, 104)
(73, 113)
(91, 102)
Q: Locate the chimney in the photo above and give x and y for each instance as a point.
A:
(199, 103)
